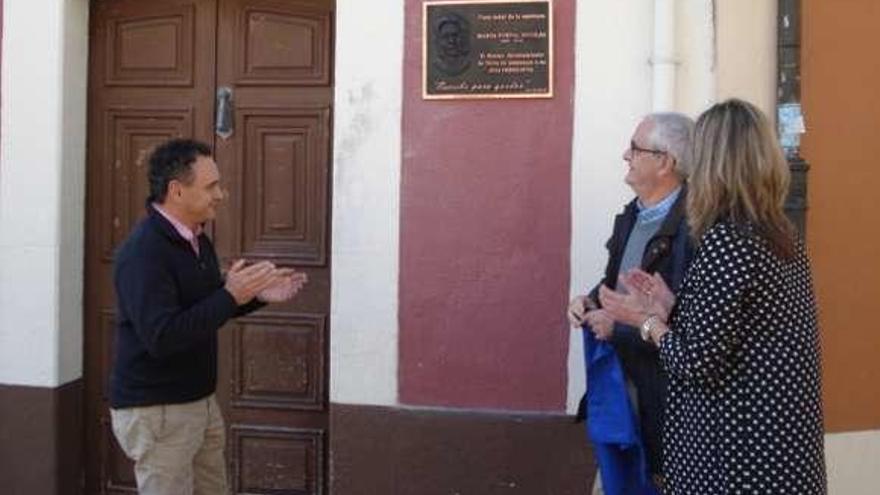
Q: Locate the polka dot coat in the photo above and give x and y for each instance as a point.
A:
(744, 412)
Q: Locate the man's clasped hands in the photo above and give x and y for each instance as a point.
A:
(264, 281)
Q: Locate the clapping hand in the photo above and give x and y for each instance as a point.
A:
(245, 282)
(660, 296)
(644, 295)
(287, 283)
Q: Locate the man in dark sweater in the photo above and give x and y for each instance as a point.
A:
(650, 234)
(172, 300)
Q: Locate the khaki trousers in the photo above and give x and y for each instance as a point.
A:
(177, 448)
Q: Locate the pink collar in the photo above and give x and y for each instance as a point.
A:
(191, 237)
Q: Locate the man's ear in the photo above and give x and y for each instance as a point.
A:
(174, 190)
(668, 165)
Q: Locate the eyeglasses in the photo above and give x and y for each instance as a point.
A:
(634, 148)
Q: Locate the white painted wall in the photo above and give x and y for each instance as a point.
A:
(746, 40)
(42, 170)
(612, 92)
(853, 462)
(366, 210)
(71, 230)
(696, 54)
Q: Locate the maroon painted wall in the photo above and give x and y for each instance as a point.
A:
(484, 240)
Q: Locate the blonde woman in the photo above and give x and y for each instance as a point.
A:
(740, 339)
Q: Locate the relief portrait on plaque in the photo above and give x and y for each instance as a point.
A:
(452, 44)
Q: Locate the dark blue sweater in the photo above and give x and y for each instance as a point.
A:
(170, 305)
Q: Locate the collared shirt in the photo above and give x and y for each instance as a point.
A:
(191, 237)
(652, 213)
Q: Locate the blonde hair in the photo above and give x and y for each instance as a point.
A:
(738, 172)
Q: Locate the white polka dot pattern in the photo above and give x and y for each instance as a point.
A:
(744, 412)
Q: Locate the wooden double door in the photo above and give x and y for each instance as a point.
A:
(253, 78)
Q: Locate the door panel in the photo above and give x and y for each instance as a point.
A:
(151, 78)
(155, 68)
(276, 45)
(275, 57)
(150, 48)
(283, 183)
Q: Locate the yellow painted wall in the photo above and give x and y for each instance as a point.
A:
(841, 97)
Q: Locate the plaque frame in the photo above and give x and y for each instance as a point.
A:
(478, 95)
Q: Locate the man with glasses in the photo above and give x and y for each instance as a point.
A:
(650, 234)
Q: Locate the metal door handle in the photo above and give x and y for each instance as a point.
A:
(224, 124)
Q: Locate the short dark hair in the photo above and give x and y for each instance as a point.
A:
(172, 160)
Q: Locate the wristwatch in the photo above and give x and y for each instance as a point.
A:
(647, 326)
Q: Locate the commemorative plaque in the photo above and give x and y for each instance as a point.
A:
(488, 49)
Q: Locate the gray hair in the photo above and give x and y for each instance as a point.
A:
(672, 132)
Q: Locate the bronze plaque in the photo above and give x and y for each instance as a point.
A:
(489, 49)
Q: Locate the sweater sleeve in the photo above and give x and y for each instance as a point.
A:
(249, 307)
(704, 339)
(149, 295)
(629, 336)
